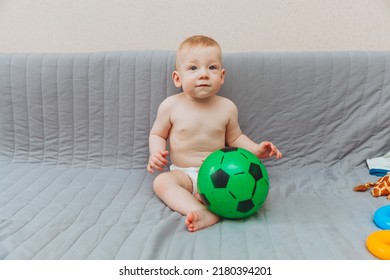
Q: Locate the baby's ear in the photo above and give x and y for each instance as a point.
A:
(176, 78)
(223, 72)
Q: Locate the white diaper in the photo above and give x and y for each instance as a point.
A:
(192, 172)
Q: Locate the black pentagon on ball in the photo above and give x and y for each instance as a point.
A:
(229, 149)
(220, 179)
(245, 206)
(255, 171)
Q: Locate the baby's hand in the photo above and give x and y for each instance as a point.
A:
(266, 149)
(157, 161)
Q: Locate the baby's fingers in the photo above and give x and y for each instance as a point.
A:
(152, 165)
(150, 168)
(272, 149)
(157, 161)
(275, 152)
(160, 159)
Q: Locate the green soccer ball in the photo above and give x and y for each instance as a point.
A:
(233, 183)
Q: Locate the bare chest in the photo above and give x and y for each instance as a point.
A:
(199, 123)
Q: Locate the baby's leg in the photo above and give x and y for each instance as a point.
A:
(175, 189)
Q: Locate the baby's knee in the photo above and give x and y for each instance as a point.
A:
(160, 183)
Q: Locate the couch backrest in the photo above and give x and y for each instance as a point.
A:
(318, 107)
(97, 108)
(81, 108)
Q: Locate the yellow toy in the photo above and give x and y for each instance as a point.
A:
(378, 244)
(379, 188)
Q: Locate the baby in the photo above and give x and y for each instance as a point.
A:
(195, 123)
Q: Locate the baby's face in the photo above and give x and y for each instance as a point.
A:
(199, 71)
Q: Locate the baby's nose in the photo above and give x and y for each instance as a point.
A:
(204, 74)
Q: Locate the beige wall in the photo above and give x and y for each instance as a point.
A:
(239, 25)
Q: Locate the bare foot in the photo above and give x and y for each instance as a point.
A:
(199, 219)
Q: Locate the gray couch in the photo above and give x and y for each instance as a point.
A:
(74, 146)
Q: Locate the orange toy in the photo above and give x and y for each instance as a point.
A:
(379, 188)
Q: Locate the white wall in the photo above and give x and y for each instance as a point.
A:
(244, 25)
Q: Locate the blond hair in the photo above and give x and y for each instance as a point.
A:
(197, 41)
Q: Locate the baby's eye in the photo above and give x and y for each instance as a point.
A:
(192, 68)
(212, 67)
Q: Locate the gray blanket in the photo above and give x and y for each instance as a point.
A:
(74, 146)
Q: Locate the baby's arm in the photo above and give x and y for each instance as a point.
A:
(158, 139)
(158, 153)
(235, 138)
(265, 149)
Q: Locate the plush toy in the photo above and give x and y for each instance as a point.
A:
(379, 188)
